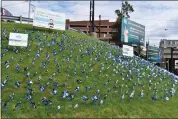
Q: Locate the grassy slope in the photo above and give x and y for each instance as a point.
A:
(112, 107)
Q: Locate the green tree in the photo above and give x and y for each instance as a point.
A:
(124, 12)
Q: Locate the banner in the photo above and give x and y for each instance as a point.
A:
(154, 54)
(132, 32)
(128, 51)
(18, 39)
(3, 12)
(49, 19)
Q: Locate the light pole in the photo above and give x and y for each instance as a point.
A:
(93, 16)
(99, 24)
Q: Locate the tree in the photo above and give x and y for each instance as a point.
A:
(124, 12)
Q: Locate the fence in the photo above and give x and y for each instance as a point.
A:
(23, 19)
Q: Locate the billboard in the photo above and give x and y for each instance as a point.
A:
(132, 32)
(18, 39)
(49, 19)
(154, 54)
(128, 50)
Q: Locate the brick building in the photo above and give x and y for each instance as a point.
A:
(105, 27)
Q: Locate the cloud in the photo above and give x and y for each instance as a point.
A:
(155, 15)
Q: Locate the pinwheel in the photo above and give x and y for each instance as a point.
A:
(17, 84)
(30, 91)
(5, 81)
(42, 88)
(28, 97)
(76, 89)
(45, 101)
(65, 94)
(54, 92)
(29, 82)
(32, 105)
(28, 74)
(84, 97)
(7, 64)
(18, 104)
(76, 106)
(11, 96)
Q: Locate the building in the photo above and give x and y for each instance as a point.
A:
(84, 26)
(166, 46)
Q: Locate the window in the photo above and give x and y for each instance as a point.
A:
(101, 26)
(78, 26)
(103, 32)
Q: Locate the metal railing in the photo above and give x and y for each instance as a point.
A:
(24, 19)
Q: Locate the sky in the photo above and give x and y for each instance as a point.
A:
(156, 16)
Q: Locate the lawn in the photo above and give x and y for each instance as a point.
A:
(71, 48)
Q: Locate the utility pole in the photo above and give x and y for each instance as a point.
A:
(29, 10)
(90, 17)
(99, 25)
(93, 15)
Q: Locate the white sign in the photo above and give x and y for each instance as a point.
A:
(18, 39)
(128, 51)
(49, 19)
(176, 64)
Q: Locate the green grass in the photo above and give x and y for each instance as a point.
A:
(137, 108)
